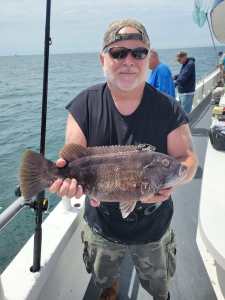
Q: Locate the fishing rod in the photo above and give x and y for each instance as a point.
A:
(40, 205)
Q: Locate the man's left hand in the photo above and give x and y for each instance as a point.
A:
(161, 196)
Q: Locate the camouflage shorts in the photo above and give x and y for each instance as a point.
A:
(155, 262)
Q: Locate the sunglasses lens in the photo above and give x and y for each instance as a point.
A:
(139, 53)
(118, 53)
(122, 52)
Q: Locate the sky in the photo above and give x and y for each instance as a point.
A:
(79, 25)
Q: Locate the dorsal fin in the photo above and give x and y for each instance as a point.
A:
(118, 148)
(71, 152)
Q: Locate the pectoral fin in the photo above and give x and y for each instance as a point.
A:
(126, 207)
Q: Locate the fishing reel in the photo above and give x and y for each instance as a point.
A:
(40, 203)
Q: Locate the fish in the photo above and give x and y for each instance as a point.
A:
(123, 174)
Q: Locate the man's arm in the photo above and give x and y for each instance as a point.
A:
(179, 145)
(74, 134)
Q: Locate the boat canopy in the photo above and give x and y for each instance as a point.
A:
(217, 15)
(200, 12)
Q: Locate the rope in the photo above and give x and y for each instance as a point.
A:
(212, 38)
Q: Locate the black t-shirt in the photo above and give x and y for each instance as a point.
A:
(102, 124)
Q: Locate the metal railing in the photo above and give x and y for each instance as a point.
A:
(205, 86)
(8, 214)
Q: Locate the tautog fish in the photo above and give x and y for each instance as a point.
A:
(124, 174)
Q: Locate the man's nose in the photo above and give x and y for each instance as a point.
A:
(129, 59)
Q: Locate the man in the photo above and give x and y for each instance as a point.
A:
(161, 76)
(185, 81)
(127, 110)
(221, 56)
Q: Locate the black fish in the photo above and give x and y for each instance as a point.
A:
(124, 174)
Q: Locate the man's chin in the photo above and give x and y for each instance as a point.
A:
(127, 87)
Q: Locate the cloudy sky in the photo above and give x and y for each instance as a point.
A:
(78, 25)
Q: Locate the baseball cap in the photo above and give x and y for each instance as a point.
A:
(111, 35)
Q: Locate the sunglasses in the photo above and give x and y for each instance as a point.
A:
(122, 52)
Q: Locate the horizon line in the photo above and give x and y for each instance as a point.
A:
(96, 51)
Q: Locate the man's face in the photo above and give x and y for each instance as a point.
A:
(181, 59)
(127, 73)
(153, 61)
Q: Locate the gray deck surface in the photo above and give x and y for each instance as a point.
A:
(191, 281)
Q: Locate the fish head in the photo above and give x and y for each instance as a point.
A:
(163, 171)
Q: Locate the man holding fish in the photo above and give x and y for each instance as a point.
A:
(127, 111)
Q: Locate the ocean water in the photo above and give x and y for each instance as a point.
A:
(20, 118)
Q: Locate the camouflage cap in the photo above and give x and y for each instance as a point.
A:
(112, 35)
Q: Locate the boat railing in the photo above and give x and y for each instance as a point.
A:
(60, 237)
(9, 213)
(205, 86)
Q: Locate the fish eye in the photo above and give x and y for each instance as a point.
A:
(165, 162)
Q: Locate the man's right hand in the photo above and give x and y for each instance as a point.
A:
(69, 187)
(66, 187)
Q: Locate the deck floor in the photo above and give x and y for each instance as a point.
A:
(191, 281)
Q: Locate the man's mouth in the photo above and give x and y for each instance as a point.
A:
(127, 73)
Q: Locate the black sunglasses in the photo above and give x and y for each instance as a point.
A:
(122, 52)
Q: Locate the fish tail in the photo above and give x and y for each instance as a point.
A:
(36, 173)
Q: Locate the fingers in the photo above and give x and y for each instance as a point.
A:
(56, 185)
(79, 192)
(94, 202)
(165, 192)
(67, 187)
(60, 163)
(153, 199)
(161, 196)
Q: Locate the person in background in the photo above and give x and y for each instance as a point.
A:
(185, 81)
(161, 76)
(221, 56)
(125, 110)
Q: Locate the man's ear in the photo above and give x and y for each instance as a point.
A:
(101, 58)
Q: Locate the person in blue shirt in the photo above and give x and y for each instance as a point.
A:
(221, 56)
(161, 76)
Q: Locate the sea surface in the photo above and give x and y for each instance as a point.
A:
(20, 118)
